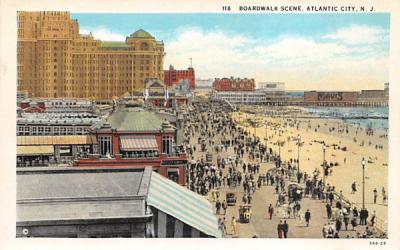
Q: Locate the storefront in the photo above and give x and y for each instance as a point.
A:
(45, 150)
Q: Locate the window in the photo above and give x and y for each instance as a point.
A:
(40, 130)
(105, 145)
(27, 130)
(79, 130)
(167, 144)
(34, 131)
(21, 130)
(173, 175)
(70, 131)
(63, 130)
(56, 130)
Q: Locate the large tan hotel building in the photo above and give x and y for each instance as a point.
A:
(54, 60)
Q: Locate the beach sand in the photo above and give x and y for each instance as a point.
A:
(311, 154)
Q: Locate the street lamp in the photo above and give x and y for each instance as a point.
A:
(323, 164)
(298, 152)
(363, 182)
(279, 146)
(266, 134)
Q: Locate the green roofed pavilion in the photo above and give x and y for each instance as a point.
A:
(135, 119)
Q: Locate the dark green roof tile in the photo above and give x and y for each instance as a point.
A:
(135, 119)
(141, 34)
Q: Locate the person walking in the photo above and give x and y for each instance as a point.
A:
(331, 197)
(233, 226)
(280, 230)
(384, 197)
(285, 228)
(346, 220)
(223, 226)
(354, 223)
(375, 195)
(328, 210)
(338, 224)
(373, 219)
(224, 206)
(307, 216)
(353, 188)
(218, 206)
(270, 211)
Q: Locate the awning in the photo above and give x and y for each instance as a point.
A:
(138, 143)
(35, 150)
(182, 204)
(57, 140)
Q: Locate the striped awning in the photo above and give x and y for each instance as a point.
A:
(35, 150)
(182, 204)
(138, 143)
(57, 140)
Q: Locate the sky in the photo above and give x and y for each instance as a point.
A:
(306, 51)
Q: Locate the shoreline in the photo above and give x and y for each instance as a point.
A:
(356, 141)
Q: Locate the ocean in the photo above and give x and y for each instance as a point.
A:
(350, 115)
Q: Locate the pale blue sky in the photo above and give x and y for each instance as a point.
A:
(311, 50)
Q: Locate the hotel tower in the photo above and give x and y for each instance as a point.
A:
(55, 61)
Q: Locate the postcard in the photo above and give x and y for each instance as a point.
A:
(218, 124)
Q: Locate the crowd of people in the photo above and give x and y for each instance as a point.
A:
(215, 132)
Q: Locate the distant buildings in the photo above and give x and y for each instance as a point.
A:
(272, 87)
(204, 83)
(234, 84)
(204, 87)
(243, 91)
(105, 203)
(346, 98)
(56, 105)
(330, 96)
(54, 60)
(173, 76)
(159, 95)
(241, 97)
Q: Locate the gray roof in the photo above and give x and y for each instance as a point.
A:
(135, 119)
(76, 185)
(73, 194)
(35, 213)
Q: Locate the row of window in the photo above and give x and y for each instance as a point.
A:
(51, 130)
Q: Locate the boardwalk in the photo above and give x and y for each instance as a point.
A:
(259, 225)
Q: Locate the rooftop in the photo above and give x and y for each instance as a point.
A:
(79, 194)
(83, 183)
(141, 34)
(70, 194)
(135, 119)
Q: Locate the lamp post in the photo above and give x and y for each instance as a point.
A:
(323, 164)
(279, 146)
(298, 152)
(266, 134)
(363, 182)
(279, 143)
